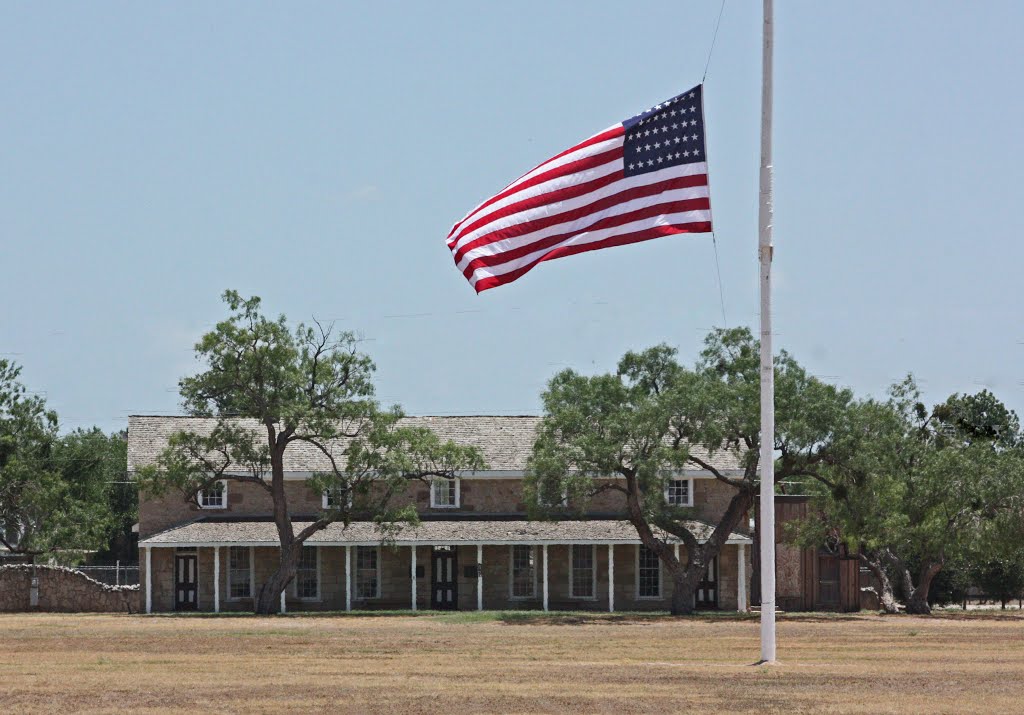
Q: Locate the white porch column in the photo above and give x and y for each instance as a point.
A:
(348, 578)
(544, 551)
(741, 577)
(677, 551)
(216, 579)
(149, 579)
(413, 550)
(479, 577)
(611, 578)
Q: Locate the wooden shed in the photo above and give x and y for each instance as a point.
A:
(822, 579)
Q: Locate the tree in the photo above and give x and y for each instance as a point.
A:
(122, 500)
(269, 388)
(909, 490)
(631, 431)
(998, 558)
(53, 489)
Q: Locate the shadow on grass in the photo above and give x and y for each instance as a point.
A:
(517, 618)
(577, 618)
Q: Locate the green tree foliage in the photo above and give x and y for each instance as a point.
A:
(54, 490)
(631, 431)
(997, 567)
(910, 490)
(122, 500)
(270, 388)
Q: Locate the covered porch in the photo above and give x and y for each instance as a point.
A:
(218, 565)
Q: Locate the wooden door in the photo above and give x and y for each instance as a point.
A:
(444, 591)
(707, 590)
(828, 582)
(186, 582)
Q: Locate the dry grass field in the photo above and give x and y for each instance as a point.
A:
(481, 663)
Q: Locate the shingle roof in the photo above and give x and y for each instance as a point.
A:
(440, 532)
(505, 441)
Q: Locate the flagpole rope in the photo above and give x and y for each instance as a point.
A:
(714, 37)
(714, 241)
(721, 291)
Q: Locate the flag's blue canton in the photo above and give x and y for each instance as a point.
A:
(669, 134)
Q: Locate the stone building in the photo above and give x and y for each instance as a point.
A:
(473, 548)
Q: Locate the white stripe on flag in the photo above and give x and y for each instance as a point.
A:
(593, 237)
(581, 224)
(558, 207)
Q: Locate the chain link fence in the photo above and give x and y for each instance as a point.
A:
(116, 575)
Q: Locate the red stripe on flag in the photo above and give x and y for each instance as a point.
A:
(620, 240)
(573, 167)
(611, 133)
(636, 192)
(564, 194)
(496, 259)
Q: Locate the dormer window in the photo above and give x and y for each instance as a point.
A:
(214, 496)
(332, 499)
(444, 494)
(679, 492)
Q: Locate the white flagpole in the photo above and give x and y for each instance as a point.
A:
(767, 520)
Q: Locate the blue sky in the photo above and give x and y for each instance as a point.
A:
(316, 155)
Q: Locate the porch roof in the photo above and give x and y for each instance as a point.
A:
(224, 532)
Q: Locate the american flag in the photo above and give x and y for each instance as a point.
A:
(640, 179)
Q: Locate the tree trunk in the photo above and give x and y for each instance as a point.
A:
(268, 600)
(886, 599)
(684, 593)
(917, 602)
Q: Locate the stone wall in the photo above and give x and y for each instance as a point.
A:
(62, 590)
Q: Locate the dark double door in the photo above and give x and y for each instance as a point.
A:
(186, 582)
(444, 589)
(707, 590)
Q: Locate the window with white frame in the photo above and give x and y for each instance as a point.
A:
(522, 572)
(648, 573)
(679, 492)
(334, 498)
(307, 575)
(444, 493)
(214, 496)
(239, 572)
(367, 572)
(583, 571)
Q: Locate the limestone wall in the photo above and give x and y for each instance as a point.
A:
(62, 590)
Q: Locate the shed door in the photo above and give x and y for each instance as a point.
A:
(828, 582)
(444, 594)
(186, 582)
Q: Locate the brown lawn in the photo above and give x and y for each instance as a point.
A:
(507, 663)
